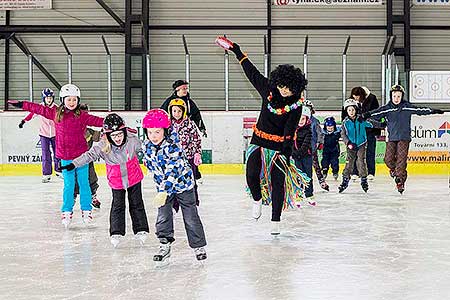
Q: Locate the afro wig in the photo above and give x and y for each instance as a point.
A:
(290, 77)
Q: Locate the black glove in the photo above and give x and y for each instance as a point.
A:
(437, 111)
(18, 104)
(237, 51)
(204, 133)
(21, 124)
(286, 151)
(360, 118)
(69, 167)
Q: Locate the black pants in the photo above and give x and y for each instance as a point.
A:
(253, 171)
(136, 207)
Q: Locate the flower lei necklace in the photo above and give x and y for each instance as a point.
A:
(286, 109)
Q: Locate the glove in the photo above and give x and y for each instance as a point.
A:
(437, 111)
(286, 151)
(319, 146)
(352, 146)
(15, 103)
(21, 124)
(204, 133)
(224, 43)
(159, 200)
(69, 167)
(360, 118)
(197, 159)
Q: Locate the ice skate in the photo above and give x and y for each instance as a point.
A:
(400, 185)
(66, 218)
(200, 253)
(364, 184)
(370, 177)
(275, 228)
(59, 175)
(162, 257)
(257, 209)
(344, 184)
(335, 176)
(354, 177)
(392, 173)
(325, 173)
(95, 202)
(141, 236)
(311, 201)
(325, 186)
(46, 178)
(86, 215)
(115, 240)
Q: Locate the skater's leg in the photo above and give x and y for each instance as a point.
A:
(117, 214)
(137, 209)
(278, 178)
(370, 154)
(85, 190)
(46, 156)
(93, 179)
(192, 222)
(317, 168)
(390, 155)
(307, 165)
(325, 163)
(253, 171)
(164, 222)
(335, 163)
(69, 185)
(361, 161)
(195, 170)
(402, 159)
(349, 164)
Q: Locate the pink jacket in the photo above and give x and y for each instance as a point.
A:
(47, 127)
(122, 165)
(70, 141)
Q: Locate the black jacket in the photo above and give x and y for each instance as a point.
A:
(331, 142)
(370, 103)
(192, 109)
(282, 125)
(302, 143)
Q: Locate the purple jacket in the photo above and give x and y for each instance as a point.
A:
(122, 165)
(70, 141)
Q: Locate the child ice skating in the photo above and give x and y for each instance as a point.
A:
(270, 176)
(119, 148)
(397, 113)
(164, 157)
(189, 137)
(354, 136)
(331, 150)
(70, 126)
(47, 138)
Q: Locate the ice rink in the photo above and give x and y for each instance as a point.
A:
(379, 245)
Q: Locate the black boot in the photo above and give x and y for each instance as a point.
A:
(400, 185)
(344, 184)
(364, 184)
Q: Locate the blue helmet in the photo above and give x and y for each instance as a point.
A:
(330, 121)
(47, 92)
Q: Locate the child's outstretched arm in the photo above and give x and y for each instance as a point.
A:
(92, 120)
(379, 112)
(91, 155)
(422, 111)
(45, 111)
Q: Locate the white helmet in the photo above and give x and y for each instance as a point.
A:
(350, 102)
(306, 111)
(69, 90)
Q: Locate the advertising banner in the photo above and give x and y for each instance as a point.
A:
(25, 4)
(327, 2)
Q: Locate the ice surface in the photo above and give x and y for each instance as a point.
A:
(353, 245)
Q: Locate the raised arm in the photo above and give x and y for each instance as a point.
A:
(45, 111)
(421, 111)
(380, 112)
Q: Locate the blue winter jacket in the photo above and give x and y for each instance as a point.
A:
(317, 135)
(398, 118)
(331, 142)
(171, 170)
(354, 131)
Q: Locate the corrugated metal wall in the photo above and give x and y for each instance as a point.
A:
(207, 60)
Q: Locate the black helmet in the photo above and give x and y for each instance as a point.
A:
(397, 88)
(178, 83)
(113, 122)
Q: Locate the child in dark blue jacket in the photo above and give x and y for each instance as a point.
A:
(353, 132)
(331, 151)
(397, 114)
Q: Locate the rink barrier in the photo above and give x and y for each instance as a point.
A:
(223, 169)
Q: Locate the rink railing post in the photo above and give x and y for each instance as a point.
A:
(344, 70)
(305, 63)
(30, 76)
(266, 58)
(108, 60)
(69, 59)
(187, 60)
(147, 70)
(227, 81)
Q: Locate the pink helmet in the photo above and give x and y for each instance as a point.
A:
(156, 118)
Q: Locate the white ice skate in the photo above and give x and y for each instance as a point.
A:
(275, 228)
(141, 236)
(115, 240)
(66, 218)
(86, 215)
(354, 177)
(200, 253)
(162, 257)
(370, 177)
(46, 178)
(257, 209)
(59, 175)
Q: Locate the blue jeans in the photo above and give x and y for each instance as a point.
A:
(69, 187)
